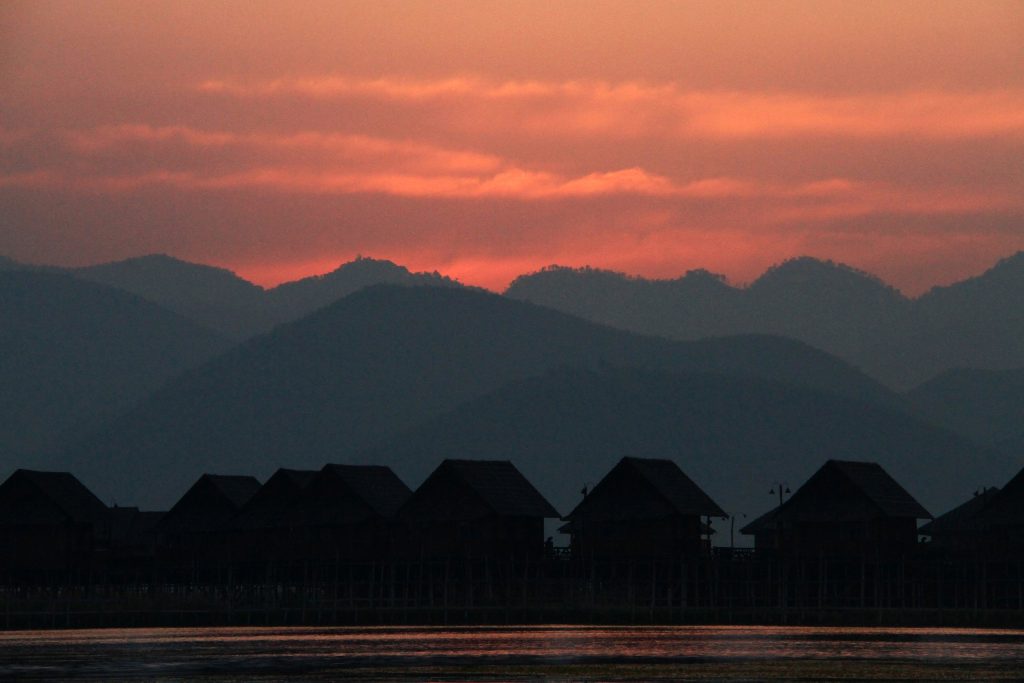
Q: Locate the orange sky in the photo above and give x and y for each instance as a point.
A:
(487, 139)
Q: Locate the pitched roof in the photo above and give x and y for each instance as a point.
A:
(236, 488)
(378, 486)
(61, 489)
(961, 518)
(493, 487)
(209, 503)
(675, 487)
(342, 494)
(884, 491)
(268, 506)
(502, 487)
(820, 499)
(765, 522)
(1006, 508)
(664, 489)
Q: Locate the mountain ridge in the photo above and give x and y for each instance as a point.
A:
(387, 358)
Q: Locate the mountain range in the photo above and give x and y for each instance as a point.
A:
(383, 360)
(220, 300)
(146, 372)
(900, 341)
(73, 354)
(737, 436)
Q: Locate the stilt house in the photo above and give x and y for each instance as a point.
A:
(132, 543)
(51, 526)
(642, 509)
(999, 524)
(959, 529)
(476, 509)
(848, 509)
(192, 531)
(259, 532)
(347, 513)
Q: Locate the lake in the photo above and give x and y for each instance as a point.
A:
(513, 653)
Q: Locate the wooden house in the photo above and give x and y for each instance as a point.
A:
(476, 509)
(346, 513)
(133, 541)
(960, 528)
(192, 532)
(51, 525)
(259, 532)
(999, 525)
(850, 509)
(642, 509)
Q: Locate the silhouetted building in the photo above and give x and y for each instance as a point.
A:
(959, 529)
(999, 524)
(133, 543)
(846, 508)
(476, 509)
(192, 531)
(347, 513)
(642, 509)
(50, 524)
(259, 532)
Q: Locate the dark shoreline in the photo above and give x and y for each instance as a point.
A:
(61, 615)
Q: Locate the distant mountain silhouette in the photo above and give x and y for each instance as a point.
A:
(213, 297)
(74, 353)
(293, 300)
(986, 405)
(828, 305)
(382, 360)
(219, 299)
(9, 264)
(734, 436)
(976, 323)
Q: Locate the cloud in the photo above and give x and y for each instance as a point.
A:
(633, 109)
(330, 147)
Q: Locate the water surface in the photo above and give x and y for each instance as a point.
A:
(514, 653)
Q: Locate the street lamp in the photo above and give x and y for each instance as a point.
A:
(781, 486)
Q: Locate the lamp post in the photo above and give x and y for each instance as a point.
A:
(783, 489)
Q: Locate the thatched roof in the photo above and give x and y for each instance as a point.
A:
(640, 488)
(32, 497)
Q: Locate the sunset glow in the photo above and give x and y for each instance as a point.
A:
(489, 139)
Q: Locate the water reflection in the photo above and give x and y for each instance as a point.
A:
(246, 653)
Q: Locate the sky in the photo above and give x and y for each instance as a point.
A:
(486, 139)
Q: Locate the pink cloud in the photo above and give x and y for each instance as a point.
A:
(643, 109)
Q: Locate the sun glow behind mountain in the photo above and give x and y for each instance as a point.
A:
(487, 139)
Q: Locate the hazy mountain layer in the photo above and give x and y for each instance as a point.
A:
(902, 342)
(383, 360)
(214, 297)
(74, 353)
(219, 299)
(736, 437)
(975, 323)
(986, 405)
